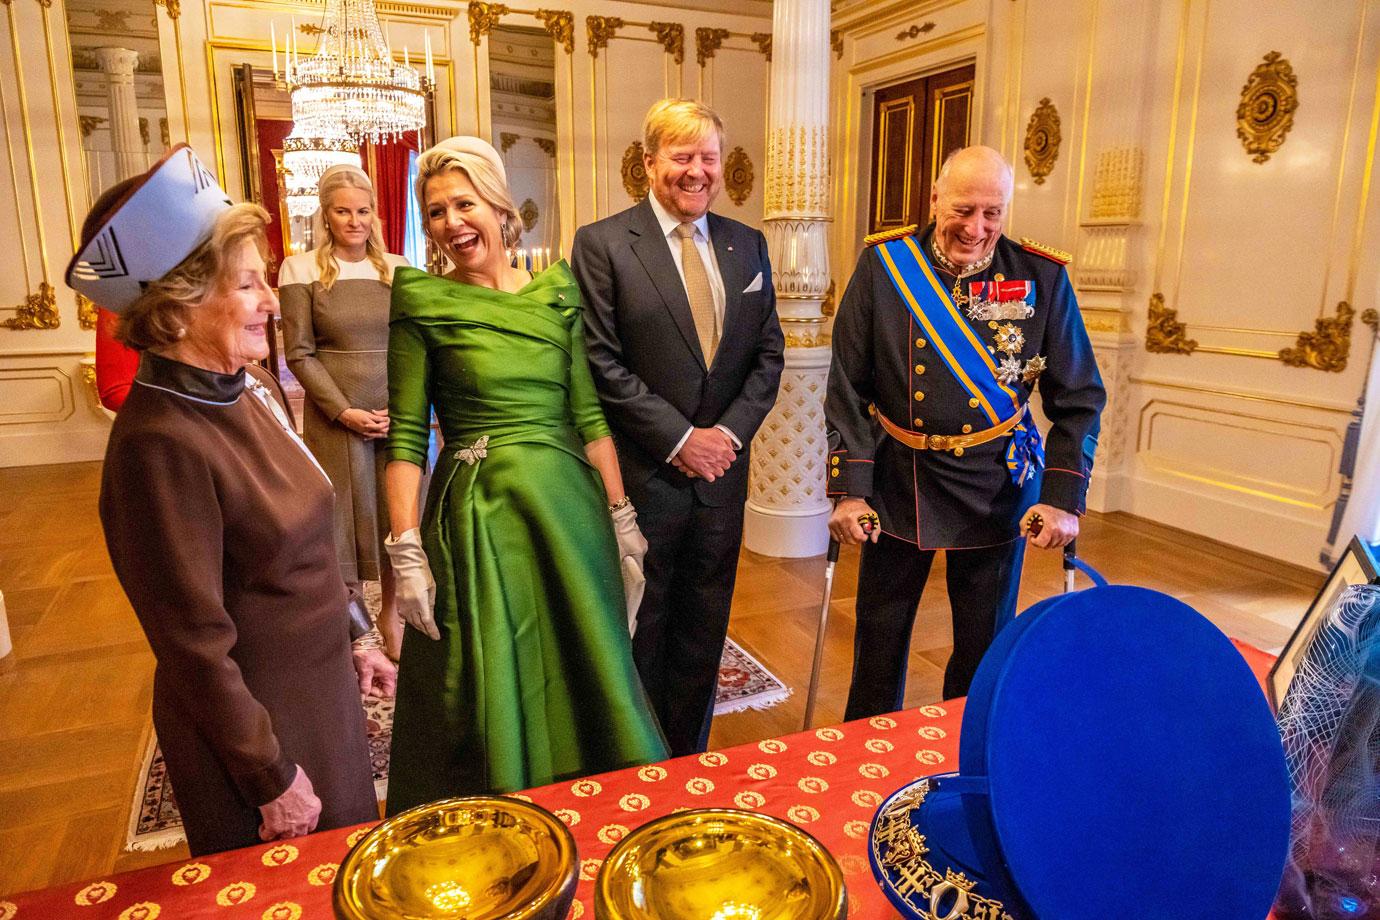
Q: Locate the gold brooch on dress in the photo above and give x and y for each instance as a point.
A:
(475, 452)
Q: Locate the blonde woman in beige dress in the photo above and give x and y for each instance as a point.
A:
(335, 330)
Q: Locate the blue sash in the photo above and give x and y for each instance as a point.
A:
(962, 352)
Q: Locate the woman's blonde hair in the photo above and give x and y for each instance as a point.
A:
(675, 121)
(162, 313)
(332, 181)
(485, 178)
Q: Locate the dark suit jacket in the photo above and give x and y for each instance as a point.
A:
(646, 357)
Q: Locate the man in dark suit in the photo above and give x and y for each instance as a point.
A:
(687, 353)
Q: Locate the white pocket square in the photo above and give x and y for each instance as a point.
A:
(756, 285)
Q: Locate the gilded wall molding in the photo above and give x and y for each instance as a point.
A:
(672, 38)
(1327, 347)
(560, 25)
(89, 123)
(738, 175)
(547, 145)
(1164, 334)
(634, 170)
(506, 140)
(529, 214)
(1268, 102)
(763, 42)
(1042, 140)
(836, 42)
(39, 311)
(88, 377)
(174, 7)
(797, 170)
(601, 30)
(707, 42)
(87, 312)
(484, 18)
(915, 31)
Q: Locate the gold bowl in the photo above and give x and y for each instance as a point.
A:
(473, 858)
(719, 864)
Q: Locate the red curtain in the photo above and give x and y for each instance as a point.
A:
(271, 132)
(387, 165)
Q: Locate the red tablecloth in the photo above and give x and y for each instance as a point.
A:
(828, 781)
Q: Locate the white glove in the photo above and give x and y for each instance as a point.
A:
(632, 547)
(414, 587)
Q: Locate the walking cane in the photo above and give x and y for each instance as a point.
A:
(819, 636)
(1070, 565)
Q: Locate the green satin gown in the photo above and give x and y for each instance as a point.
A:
(533, 679)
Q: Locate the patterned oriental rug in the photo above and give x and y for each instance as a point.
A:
(155, 824)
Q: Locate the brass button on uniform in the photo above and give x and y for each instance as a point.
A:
(966, 430)
(919, 423)
(919, 343)
(919, 396)
(835, 461)
(833, 472)
(973, 403)
(919, 368)
(958, 451)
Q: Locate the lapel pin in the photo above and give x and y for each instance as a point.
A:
(730, 249)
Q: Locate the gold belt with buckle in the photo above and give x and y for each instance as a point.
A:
(917, 441)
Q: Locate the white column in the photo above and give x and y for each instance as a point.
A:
(787, 510)
(118, 66)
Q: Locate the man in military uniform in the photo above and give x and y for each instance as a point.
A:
(941, 337)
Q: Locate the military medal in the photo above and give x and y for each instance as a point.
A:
(959, 298)
(1033, 368)
(1010, 339)
(1000, 299)
(1009, 370)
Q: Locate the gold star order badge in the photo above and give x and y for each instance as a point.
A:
(1033, 368)
(1010, 339)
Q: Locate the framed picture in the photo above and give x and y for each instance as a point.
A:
(1357, 566)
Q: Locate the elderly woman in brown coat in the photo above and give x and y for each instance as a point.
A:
(219, 524)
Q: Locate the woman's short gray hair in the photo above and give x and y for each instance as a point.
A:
(485, 178)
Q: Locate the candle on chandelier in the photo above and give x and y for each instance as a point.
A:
(430, 70)
(273, 37)
(406, 62)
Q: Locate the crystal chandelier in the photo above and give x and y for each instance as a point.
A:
(351, 85)
(305, 159)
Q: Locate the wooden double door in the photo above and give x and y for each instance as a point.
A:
(915, 126)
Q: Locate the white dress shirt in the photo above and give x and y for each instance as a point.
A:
(668, 225)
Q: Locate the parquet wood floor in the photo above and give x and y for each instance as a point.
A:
(76, 691)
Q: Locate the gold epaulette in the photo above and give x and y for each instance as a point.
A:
(1049, 252)
(884, 236)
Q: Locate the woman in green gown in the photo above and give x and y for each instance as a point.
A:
(519, 670)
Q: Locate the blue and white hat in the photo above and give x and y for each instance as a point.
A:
(159, 220)
(1117, 759)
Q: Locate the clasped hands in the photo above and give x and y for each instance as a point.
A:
(706, 454)
(369, 424)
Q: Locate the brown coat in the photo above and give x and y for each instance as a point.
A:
(219, 528)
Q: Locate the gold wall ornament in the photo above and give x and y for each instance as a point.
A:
(560, 25)
(529, 214)
(1042, 140)
(310, 29)
(484, 18)
(1268, 102)
(830, 305)
(808, 339)
(836, 42)
(1327, 347)
(89, 123)
(1372, 319)
(1164, 334)
(547, 145)
(634, 170)
(672, 38)
(39, 311)
(738, 175)
(915, 31)
(88, 377)
(87, 312)
(763, 42)
(163, 134)
(112, 20)
(506, 140)
(601, 29)
(707, 42)
(174, 7)
(144, 130)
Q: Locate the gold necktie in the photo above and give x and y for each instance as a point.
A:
(698, 290)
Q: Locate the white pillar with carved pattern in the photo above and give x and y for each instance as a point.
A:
(118, 66)
(787, 510)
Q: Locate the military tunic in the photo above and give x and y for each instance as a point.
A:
(883, 362)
